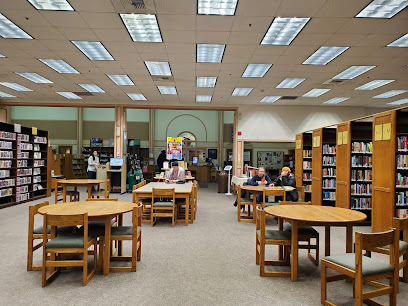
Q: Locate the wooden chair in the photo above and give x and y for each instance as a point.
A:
(163, 209)
(273, 237)
(132, 233)
(301, 193)
(146, 202)
(37, 234)
(193, 205)
(73, 194)
(267, 193)
(305, 234)
(365, 270)
(77, 244)
(240, 201)
(102, 193)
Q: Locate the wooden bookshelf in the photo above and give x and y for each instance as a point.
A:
(317, 166)
(401, 166)
(303, 162)
(104, 153)
(343, 172)
(78, 167)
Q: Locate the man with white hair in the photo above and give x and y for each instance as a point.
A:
(175, 174)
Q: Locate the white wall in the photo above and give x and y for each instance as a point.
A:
(137, 115)
(43, 113)
(98, 114)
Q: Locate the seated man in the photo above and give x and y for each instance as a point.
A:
(260, 179)
(287, 179)
(175, 174)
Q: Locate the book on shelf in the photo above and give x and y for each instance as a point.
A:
(329, 172)
(307, 153)
(402, 212)
(401, 198)
(329, 183)
(402, 161)
(361, 175)
(361, 161)
(402, 143)
(361, 203)
(329, 160)
(328, 149)
(329, 195)
(362, 147)
(361, 189)
(307, 165)
(307, 176)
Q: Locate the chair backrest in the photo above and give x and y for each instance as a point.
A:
(58, 183)
(163, 193)
(301, 192)
(401, 225)
(107, 186)
(260, 220)
(66, 220)
(137, 215)
(239, 191)
(144, 182)
(101, 200)
(32, 211)
(294, 203)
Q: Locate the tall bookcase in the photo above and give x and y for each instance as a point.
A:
(303, 163)
(24, 174)
(104, 153)
(401, 164)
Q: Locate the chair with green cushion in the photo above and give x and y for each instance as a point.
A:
(161, 208)
(363, 270)
(102, 193)
(241, 202)
(74, 244)
(265, 195)
(146, 202)
(271, 237)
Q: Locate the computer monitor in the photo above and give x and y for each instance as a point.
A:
(195, 160)
(116, 162)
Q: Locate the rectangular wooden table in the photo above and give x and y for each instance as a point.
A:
(182, 191)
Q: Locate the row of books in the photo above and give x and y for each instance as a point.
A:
(39, 163)
(7, 135)
(363, 147)
(402, 143)
(401, 180)
(308, 188)
(329, 183)
(5, 163)
(6, 145)
(7, 183)
(329, 195)
(4, 173)
(37, 179)
(22, 197)
(307, 165)
(361, 161)
(402, 212)
(23, 137)
(401, 198)
(361, 189)
(37, 147)
(6, 192)
(38, 139)
(6, 154)
(361, 203)
(23, 180)
(307, 153)
(22, 163)
(37, 171)
(328, 149)
(329, 172)
(307, 176)
(23, 155)
(37, 187)
(37, 155)
(25, 146)
(22, 189)
(329, 160)
(402, 161)
(23, 172)
(361, 175)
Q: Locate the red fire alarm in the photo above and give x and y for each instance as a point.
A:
(239, 133)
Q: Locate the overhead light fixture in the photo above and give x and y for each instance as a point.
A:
(136, 97)
(68, 95)
(51, 5)
(210, 53)
(6, 95)
(283, 30)
(400, 42)
(120, 79)
(399, 102)
(203, 98)
(142, 27)
(217, 7)
(92, 88)
(390, 94)
(9, 30)
(94, 50)
(382, 9)
(336, 100)
(290, 83)
(270, 99)
(167, 90)
(324, 55)
(374, 84)
(158, 68)
(242, 92)
(315, 93)
(59, 66)
(206, 81)
(353, 72)
(15, 86)
(256, 70)
(34, 77)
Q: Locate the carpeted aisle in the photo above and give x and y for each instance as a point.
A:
(209, 262)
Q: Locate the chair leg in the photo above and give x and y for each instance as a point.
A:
(173, 217)
(261, 259)
(405, 269)
(30, 254)
(139, 249)
(256, 251)
(394, 284)
(323, 285)
(358, 291)
(134, 254)
(44, 269)
(85, 268)
(151, 217)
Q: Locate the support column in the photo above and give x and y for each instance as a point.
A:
(80, 140)
(120, 128)
(237, 149)
(151, 130)
(221, 138)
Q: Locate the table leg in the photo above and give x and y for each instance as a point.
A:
(64, 193)
(187, 209)
(106, 251)
(280, 248)
(349, 238)
(327, 240)
(253, 208)
(120, 242)
(89, 191)
(295, 244)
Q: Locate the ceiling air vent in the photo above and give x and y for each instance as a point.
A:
(288, 98)
(157, 78)
(83, 93)
(334, 82)
(134, 6)
(138, 4)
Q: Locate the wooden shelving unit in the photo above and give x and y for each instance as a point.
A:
(104, 153)
(303, 163)
(401, 164)
(78, 166)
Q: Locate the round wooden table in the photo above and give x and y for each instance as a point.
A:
(76, 183)
(327, 216)
(97, 211)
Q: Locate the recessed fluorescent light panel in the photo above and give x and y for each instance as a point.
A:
(390, 94)
(256, 70)
(270, 99)
(142, 27)
(324, 55)
(203, 98)
(34, 77)
(92, 88)
(59, 65)
(6, 95)
(15, 86)
(283, 31)
(336, 100)
(315, 93)
(290, 83)
(120, 79)
(399, 102)
(400, 42)
(210, 53)
(242, 92)
(382, 9)
(136, 97)
(217, 7)
(353, 72)
(51, 5)
(206, 81)
(374, 84)
(167, 90)
(158, 68)
(10, 30)
(68, 95)
(94, 50)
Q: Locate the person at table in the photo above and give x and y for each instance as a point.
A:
(287, 179)
(93, 163)
(175, 174)
(260, 179)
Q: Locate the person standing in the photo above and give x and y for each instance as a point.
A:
(287, 179)
(93, 163)
(161, 159)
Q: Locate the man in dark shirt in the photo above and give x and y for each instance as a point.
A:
(287, 179)
(260, 179)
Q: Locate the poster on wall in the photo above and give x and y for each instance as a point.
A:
(174, 148)
(270, 160)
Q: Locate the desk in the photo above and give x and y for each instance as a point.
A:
(77, 183)
(182, 191)
(97, 211)
(300, 215)
(202, 173)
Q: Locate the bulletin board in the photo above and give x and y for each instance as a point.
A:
(270, 160)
